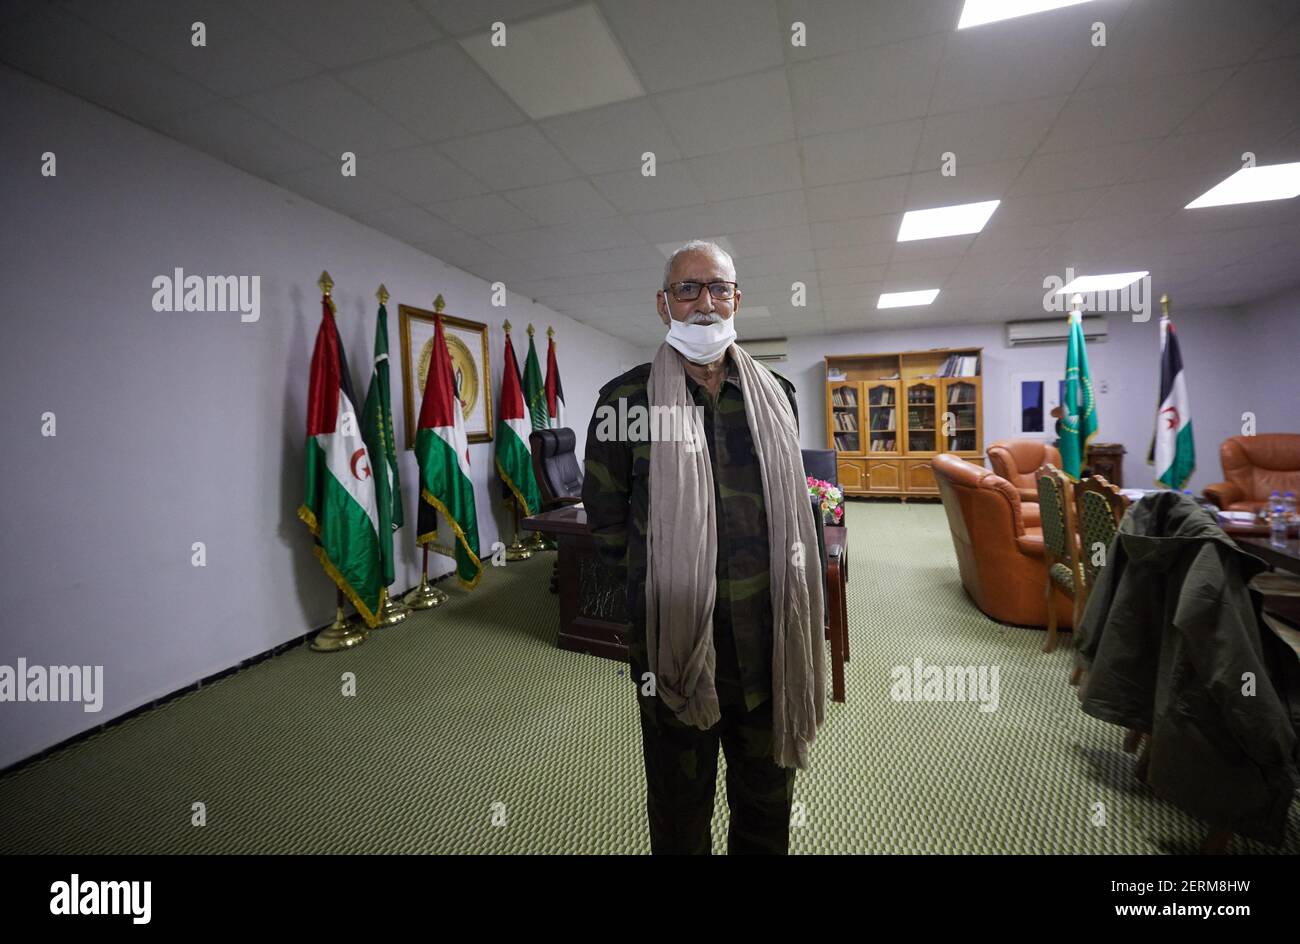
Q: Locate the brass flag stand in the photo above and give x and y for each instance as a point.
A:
(425, 596)
(517, 550)
(340, 634)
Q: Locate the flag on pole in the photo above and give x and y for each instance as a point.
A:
(339, 506)
(442, 450)
(514, 458)
(534, 388)
(1079, 422)
(377, 430)
(554, 389)
(1173, 451)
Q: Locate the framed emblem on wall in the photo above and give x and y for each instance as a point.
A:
(467, 343)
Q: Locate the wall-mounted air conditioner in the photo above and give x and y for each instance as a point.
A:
(769, 351)
(1053, 330)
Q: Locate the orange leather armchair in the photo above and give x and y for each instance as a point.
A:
(1000, 557)
(1018, 460)
(1254, 467)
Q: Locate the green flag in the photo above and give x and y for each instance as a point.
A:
(535, 387)
(514, 459)
(1079, 422)
(377, 430)
(338, 503)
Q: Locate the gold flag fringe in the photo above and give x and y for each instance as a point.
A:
(511, 483)
(431, 536)
(371, 617)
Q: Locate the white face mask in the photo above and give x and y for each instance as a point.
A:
(701, 344)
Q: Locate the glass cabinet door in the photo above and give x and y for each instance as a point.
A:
(922, 416)
(845, 417)
(959, 424)
(882, 418)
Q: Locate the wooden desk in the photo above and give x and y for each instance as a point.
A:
(837, 607)
(1283, 558)
(593, 600)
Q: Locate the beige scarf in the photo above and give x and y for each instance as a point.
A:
(682, 549)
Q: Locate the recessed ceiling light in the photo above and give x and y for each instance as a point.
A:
(958, 220)
(557, 63)
(1101, 283)
(979, 12)
(1253, 185)
(907, 299)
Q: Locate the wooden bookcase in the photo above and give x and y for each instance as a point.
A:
(888, 415)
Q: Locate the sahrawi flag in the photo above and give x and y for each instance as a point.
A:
(339, 506)
(534, 389)
(1079, 422)
(514, 459)
(1172, 450)
(554, 389)
(442, 449)
(377, 430)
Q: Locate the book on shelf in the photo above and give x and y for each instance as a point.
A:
(960, 365)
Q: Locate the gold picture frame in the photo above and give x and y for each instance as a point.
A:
(474, 381)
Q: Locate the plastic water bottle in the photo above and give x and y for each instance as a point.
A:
(1277, 520)
(1288, 505)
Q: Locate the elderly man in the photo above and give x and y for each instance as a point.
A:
(712, 528)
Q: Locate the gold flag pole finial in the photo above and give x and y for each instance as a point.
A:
(382, 294)
(325, 282)
(507, 326)
(1164, 305)
(530, 330)
(439, 304)
(550, 333)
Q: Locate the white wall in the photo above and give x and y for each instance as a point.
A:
(176, 428)
(1237, 360)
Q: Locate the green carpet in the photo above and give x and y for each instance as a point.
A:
(470, 709)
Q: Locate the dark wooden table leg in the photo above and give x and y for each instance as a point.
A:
(837, 630)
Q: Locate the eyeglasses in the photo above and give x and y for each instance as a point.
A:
(689, 291)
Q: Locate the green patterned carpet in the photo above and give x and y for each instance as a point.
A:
(470, 709)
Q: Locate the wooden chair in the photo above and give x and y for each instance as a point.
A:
(1098, 508)
(1060, 548)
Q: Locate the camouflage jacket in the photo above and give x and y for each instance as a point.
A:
(616, 496)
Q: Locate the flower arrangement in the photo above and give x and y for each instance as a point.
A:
(831, 499)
